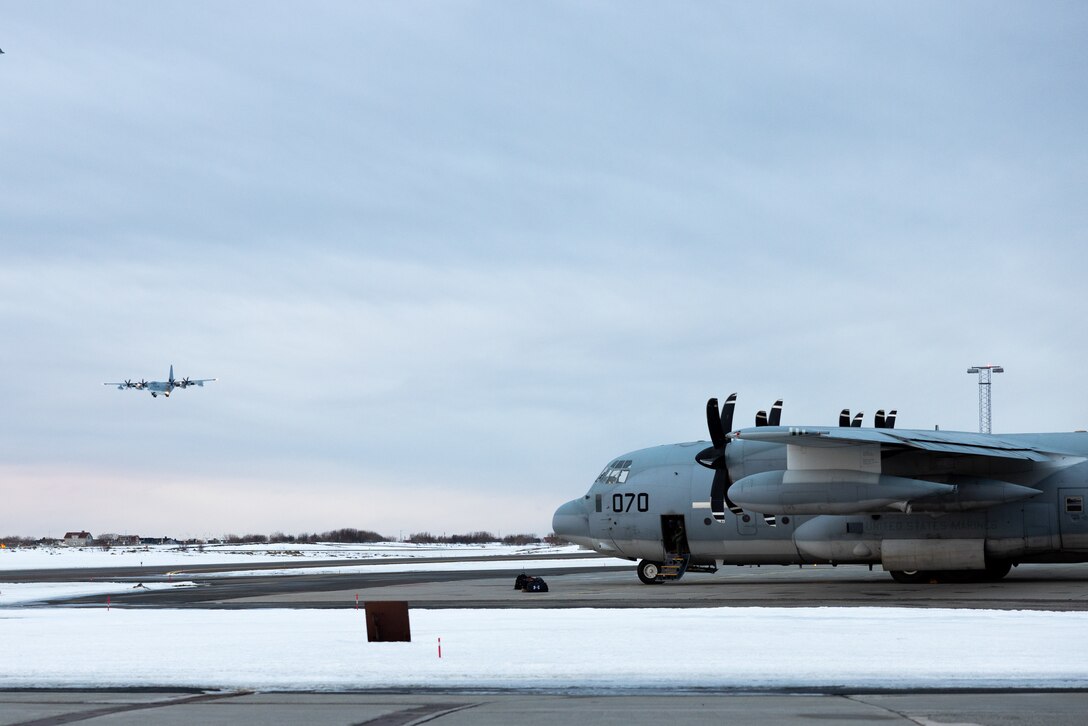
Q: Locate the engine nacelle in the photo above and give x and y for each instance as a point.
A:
(972, 493)
(831, 491)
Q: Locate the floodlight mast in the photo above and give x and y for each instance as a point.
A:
(984, 394)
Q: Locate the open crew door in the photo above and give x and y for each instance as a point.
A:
(674, 535)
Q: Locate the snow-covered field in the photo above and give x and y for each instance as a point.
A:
(35, 558)
(545, 649)
(580, 649)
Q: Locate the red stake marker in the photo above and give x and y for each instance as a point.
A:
(439, 647)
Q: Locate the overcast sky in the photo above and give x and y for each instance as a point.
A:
(448, 259)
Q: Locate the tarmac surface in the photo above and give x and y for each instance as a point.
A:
(1038, 587)
(39, 708)
(1028, 587)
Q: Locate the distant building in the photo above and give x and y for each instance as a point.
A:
(157, 540)
(126, 540)
(77, 539)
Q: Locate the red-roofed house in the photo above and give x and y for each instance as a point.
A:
(77, 539)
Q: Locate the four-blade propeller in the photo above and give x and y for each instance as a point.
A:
(713, 457)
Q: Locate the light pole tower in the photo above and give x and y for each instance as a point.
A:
(984, 394)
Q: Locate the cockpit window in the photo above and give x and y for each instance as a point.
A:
(616, 472)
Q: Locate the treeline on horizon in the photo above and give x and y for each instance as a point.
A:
(349, 535)
(346, 535)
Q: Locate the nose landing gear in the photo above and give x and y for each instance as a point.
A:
(671, 570)
(648, 572)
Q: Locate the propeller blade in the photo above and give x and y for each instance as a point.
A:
(761, 418)
(844, 417)
(771, 520)
(775, 418)
(879, 420)
(710, 457)
(727, 413)
(889, 421)
(856, 423)
(717, 494)
(714, 424)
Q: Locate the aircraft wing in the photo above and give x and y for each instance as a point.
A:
(186, 382)
(946, 442)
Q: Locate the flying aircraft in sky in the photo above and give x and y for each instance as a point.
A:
(163, 387)
(924, 505)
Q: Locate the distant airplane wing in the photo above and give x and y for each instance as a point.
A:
(947, 442)
(186, 382)
(121, 385)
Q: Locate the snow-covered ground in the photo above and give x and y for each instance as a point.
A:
(545, 649)
(579, 649)
(34, 558)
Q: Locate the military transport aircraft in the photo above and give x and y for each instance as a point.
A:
(925, 505)
(163, 387)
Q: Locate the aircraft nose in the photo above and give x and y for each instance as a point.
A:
(571, 522)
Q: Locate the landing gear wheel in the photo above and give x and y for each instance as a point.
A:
(996, 570)
(648, 572)
(910, 577)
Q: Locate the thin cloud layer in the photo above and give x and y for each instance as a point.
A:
(448, 260)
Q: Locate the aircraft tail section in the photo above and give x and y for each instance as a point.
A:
(171, 378)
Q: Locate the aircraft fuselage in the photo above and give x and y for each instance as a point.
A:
(987, 514)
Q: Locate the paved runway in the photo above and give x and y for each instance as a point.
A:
(459, 709)
(1031, 587)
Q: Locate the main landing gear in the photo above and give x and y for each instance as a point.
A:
(994, 571)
